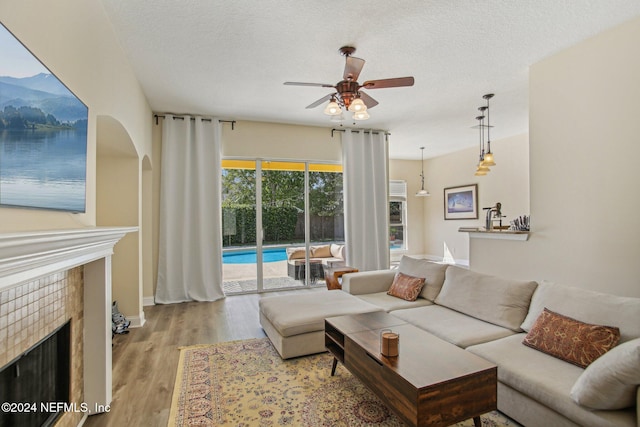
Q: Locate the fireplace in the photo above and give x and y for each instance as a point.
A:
(36, 384)
(48, 278)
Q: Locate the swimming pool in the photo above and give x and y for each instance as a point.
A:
(249, 256)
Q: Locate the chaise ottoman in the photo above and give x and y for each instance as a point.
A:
(295, 323)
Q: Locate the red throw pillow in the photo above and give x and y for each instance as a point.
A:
(406, 287)
(569, 339)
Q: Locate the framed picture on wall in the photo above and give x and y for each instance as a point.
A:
(43, 134)
(461, 202)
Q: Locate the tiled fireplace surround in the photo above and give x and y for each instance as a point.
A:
(47, 278)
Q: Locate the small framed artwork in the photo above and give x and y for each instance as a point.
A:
(461, 202)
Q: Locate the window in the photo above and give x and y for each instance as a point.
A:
(397, 215)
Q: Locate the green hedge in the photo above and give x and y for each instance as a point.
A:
(239, 224)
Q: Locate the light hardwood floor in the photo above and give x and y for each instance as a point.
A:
(146, 359)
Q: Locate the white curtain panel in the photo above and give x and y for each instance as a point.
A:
(365, 157)
(190, 238)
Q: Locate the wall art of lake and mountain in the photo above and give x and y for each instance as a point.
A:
(43, 144)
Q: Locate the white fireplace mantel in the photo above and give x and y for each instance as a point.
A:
(27, 256)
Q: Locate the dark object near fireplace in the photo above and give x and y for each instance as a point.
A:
(35, 379)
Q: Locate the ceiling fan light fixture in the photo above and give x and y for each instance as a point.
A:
(333, 109)
(361, 115)
(357, 105)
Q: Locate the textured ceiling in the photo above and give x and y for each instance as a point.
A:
(230, 58)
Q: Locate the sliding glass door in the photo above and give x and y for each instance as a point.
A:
(280, 219)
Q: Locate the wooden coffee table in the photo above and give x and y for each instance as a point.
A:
(430, 383)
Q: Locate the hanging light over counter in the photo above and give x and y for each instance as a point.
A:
(485, 158)
(422, 192)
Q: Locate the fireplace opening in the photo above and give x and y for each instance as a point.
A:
(34, 387)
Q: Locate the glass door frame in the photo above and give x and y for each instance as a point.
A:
(258, 164)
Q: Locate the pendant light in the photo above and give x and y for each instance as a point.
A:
(482, 168)
(422, 192)
(485, 158)
(488, 157)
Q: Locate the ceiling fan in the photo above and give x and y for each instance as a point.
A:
(349, 94)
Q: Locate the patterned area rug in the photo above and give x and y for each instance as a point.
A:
(246, 383)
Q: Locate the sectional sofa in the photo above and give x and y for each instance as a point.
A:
(493, 317)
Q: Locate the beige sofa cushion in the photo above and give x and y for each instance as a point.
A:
(588, 306)
(301, 313)
(500, 301)
(323, 251)
(389, 303)
(612, 380)
(452, 326)
(296, 253)
(432, 272)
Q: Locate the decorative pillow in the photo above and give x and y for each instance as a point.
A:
(323, 251)
(337, 251)
(610, 382)
(406, 287)
(569, 339)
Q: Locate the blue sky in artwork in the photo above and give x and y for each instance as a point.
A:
(16, 59)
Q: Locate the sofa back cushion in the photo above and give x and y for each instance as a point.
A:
(323, 251)
(296, 253)
(337, 251)
(432, 272)
(586, 306)
(496, 300)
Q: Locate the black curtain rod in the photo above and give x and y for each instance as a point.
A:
(162, 116)
(375, 132)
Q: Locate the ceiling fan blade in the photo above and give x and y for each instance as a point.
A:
(396, 82)
(308, 84)
(352, 68)
(368, 101)
(320, 101)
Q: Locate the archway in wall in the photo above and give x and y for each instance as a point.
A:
(117, 204)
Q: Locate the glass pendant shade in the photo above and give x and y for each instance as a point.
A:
(483, 167)
(361, 115)
(488, 159)
(357, 105)
(332, 108)
(480, 173)
(423, 193)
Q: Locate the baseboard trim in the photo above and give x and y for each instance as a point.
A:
(147, 301)
(137, 321)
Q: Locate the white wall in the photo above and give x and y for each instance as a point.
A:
(507, 183)
(584, 152)
(280, 141)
